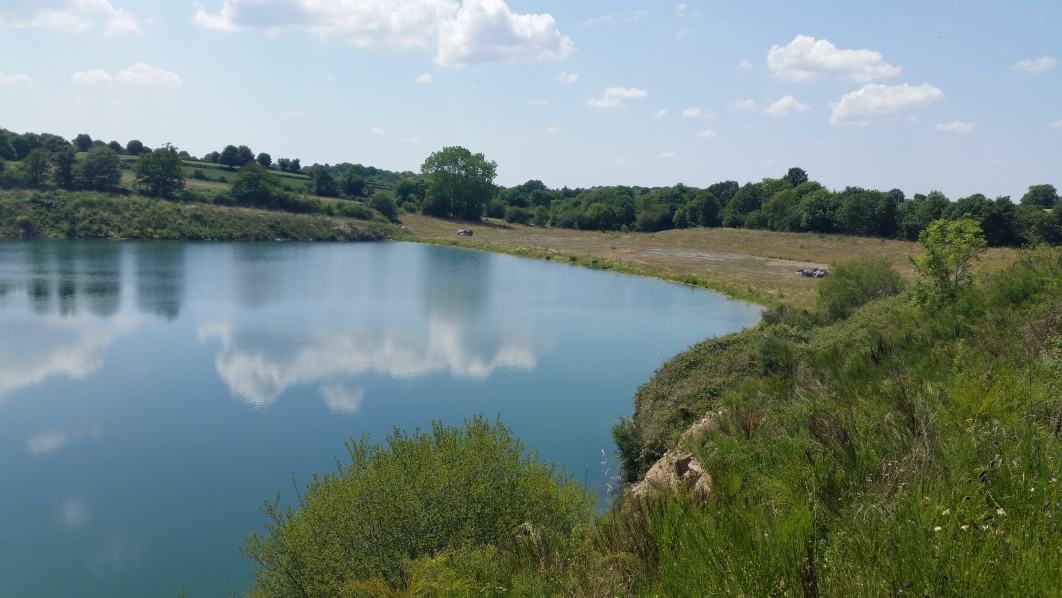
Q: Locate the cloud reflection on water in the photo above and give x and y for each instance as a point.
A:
(258, 365)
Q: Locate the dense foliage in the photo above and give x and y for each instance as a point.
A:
(110, 216)
(413, 497)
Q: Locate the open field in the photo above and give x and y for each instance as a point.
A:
(754, 265)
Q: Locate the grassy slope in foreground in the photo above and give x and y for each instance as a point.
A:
(110, 216)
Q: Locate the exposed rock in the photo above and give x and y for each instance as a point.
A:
(677, 468)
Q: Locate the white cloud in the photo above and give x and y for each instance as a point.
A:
(471, 32)
(621, 162)
(637, 15)
(660, 113)
(695, 112)
(614, 97)
(954, 127)
(806, 60)
(76, 513)
(682, 11)
(1035, 65)
(879, 102)
(48, 442)
(668, 155)
(743, 105)
(913, 118)
(553, 130)
(566, 77)
(537, 102)
(425, 78)
(381, 132)
(342, 400)
(744, 65)
(16, 79)
(682, 34)
(1055, 125)
(137, 74)
(74, 16)
(706, 134)
(786, 106)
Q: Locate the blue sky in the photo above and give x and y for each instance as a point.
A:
(962, 97)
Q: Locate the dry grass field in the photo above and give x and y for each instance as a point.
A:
(762, 263)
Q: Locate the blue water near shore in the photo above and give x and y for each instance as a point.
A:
(152, 394)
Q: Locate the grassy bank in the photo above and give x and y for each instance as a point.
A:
(904, 450)
(116, 216)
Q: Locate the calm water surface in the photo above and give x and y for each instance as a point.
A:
(152, 394)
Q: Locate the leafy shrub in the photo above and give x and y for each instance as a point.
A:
(353, 209)
(199, 175)
(415, 496)
(515, 215)
(383, 204)
(495, 209)
(851, 285)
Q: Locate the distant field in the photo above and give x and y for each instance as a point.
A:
(759, 265)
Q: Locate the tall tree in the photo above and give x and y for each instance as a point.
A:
(324, 184)
(461, 183)
(159, 172)
(63, 160)
(352, 181)
(83, 142)
(228, 156)
(35, 165)
(264, 159)
(117, 147)
(1045, 196)
(101, 169)
(796, 177)
(135, 147)
(244, 156)
(283, 164)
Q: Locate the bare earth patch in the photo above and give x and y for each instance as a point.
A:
(735, 258)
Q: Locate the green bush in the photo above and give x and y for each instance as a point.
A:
(383, 204)
(851, 285)
(515, 215)
(414, 497)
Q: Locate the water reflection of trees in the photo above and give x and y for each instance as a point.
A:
(160, 278)
(456, 283)
(82, 274)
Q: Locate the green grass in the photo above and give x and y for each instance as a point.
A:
(113, 216)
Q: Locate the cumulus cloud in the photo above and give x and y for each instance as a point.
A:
(74, 16)
(45, 443)
(743, 105)
(786, 106)
(706, 134)
(553, 130)
(1055, 125)
(876, 102)
(16, 79)
(378, 131)
(471, 32)
(954, 127)
(668, 155)
(614, 96)
(744, 65)
(682, 34)
(137, 74)
(566, 77)
(1036, 65)
(697, 113)
(660, 113)
(425, 78)
(806, 60)
(537, 102)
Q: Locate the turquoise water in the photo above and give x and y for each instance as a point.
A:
(153, 394)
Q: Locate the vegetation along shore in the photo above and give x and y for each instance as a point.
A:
(891, 429)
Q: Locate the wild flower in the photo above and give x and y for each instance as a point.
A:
(1000, 511)
(964, 527)
(1053, 480)
(926, 497)
(937, 528)
(1032, 489)
(946, 512)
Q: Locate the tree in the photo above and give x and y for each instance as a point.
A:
(1045, 196)
(256, 186)
(383, 204)
(244, 156)
(945, 265)
(134, 147)
(324, 184)
(228, 156)
(159, 172)
(35, 165)
(796, 177)
(64, 161)
(214, 157)
(83, 142)
(264, 159)
(409, 190)
(117, 147)
(295, 166)
(283, 164)
(460, 183)
(101, 169)
(352, 181)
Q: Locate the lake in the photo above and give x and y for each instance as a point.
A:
(152, 394)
